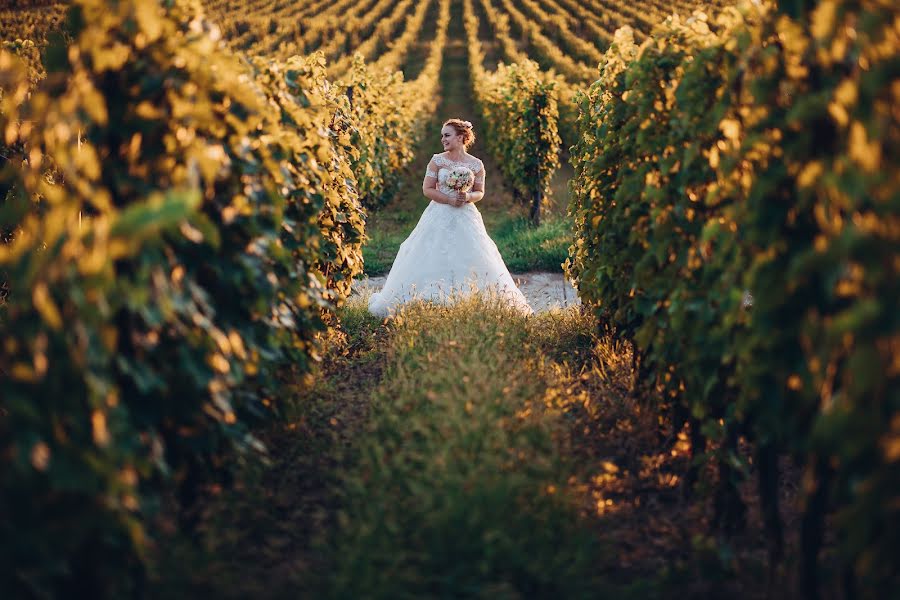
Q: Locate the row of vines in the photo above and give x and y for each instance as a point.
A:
(567, 38)
(737, 206)
(184, 202)
(180, 221)
(519, 107)
(550, 51)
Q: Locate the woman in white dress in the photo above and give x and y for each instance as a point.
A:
(449, 252)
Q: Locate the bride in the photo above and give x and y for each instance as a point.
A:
(449, 251)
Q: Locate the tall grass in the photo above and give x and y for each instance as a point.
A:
(458, 490)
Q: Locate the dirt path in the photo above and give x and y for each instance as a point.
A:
(544, 290)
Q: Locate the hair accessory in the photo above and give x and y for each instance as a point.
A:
(467, 124)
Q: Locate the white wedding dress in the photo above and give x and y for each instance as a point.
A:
(448, 253)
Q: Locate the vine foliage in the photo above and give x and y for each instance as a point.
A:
(737, 209)
(182, 224)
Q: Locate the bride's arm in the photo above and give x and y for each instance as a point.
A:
(435, 195)
(477, 191)
(429, 185)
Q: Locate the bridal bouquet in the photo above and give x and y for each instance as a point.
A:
(460, 179)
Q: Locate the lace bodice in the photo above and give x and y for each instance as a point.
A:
(444, 165)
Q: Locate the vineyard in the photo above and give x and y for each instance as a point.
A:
(194, 399)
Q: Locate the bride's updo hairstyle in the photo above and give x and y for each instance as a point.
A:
(463, 128)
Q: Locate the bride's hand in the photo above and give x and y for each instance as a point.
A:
(458, 200)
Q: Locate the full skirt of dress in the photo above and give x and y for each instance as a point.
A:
(449, 253)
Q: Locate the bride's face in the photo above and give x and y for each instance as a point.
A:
(450, 139)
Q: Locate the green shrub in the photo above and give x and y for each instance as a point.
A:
(816, 166)
(737, 206)
(181, 230)
(644, 202)
(519, 106)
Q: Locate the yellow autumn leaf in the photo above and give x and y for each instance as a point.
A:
(221, 340)
(731, 129)
(45, 306)
(823, 18)
(237, 344)
(147, 110)
(810, 174)
(891, 446)
(99, 429)
(40, 456)
(891, 443)
(23, 372)
(110, 58)
(87, 161)
(865, 153)
(219, 363)
(148, 18)
(838, 113)
(847, 93)
(94, 103)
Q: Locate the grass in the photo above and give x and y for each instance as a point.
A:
(463, 451)
(527, 248)
(460, 485)
(420, 463)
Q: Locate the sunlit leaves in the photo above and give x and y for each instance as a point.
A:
(168, 263)
(519, 105)
(736, 210)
